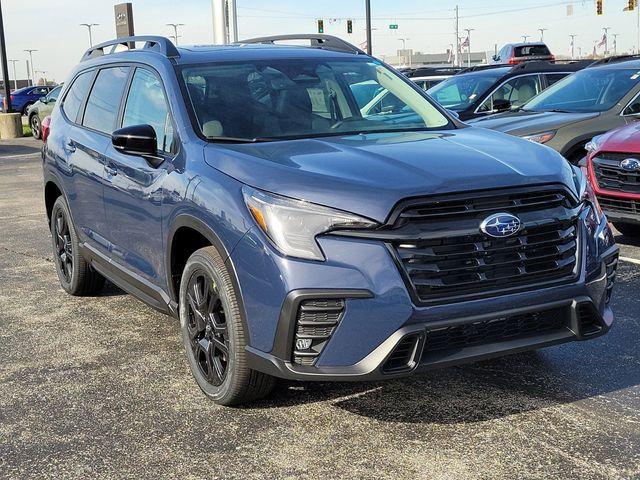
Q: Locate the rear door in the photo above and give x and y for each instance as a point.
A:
(85, 144)
(133, 188)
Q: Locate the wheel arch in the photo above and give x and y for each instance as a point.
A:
(52, 191)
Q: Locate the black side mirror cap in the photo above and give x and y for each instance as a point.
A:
(139, 140)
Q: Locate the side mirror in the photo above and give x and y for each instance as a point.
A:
(496, 58)
(501, 105)
(44, 100)
(139, 140)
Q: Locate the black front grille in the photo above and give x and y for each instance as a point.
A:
(461, 205)
(315, 322)
(619, 205)
(453, 266)
(457, 337)
(611, 176)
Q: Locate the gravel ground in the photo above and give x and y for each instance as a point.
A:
(99, 388)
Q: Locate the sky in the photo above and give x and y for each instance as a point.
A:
(52, 26)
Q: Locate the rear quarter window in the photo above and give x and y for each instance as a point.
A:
(76, 94)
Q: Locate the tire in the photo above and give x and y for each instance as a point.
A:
(628, 229)
(75, 274)
(214, 335)
(26, 108)
(34, 123)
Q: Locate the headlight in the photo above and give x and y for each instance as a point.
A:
(292, 225)
(585, 190)
(595, 144)
(543, 137)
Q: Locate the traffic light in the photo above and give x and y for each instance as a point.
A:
(599, 6)
(350, 24)
(320, 26)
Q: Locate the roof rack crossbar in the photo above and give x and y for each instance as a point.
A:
(326, 42)
(162, 45)
(614, 59)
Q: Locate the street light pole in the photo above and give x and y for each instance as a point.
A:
(89, 27)
(524, 38)
(175, 30)
(469, 30)
(31, 63)
(606, 40)
(404, 49)
(3, 61)
(368, 15)
(615, 43)
(15, 75)
(542, 30)
(573, 45)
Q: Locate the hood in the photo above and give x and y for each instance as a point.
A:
(526, 123)
(625, 139)
(369, 174)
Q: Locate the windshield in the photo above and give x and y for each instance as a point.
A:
(589, 90)
(280, 98)
(461, 91)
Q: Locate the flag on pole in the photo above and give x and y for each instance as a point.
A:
(603, 41)
(465, 44)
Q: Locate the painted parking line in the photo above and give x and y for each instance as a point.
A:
(22, 155)
(630, 260)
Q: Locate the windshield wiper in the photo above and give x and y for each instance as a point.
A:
(239, 139)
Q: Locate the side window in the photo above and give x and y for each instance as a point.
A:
(146, 104)
(554, 77)
(76, 94)
(633, 108)
(53, 95)
(516, 91)
(104, 100)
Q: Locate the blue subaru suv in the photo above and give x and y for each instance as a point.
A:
(300, 231)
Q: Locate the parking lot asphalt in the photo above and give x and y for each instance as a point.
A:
(98, 387)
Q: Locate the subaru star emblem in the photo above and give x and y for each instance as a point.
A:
(630, 165)
(500, 225)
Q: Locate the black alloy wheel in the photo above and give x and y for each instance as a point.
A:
(207, 328)
(34, 123)
(64, 249)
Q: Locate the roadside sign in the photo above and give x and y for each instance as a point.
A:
(393, 26)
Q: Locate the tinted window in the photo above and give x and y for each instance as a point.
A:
(516, 91)
(76, 94)
(104, 100)
(532, 51)
(554, 77)
(589, 90)
(633, 108)
(146, 104)
(461, 91)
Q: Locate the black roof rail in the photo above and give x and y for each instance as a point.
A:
(615, 59)
(326, 42)
(162, 45)
(551, 65)
(476, 68)
(427, 71)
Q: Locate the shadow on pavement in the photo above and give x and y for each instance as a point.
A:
(20, 146)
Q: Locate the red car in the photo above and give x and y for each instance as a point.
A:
(613, 165)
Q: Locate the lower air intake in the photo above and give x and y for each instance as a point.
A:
(316, 321)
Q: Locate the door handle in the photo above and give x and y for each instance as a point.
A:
(70, 147)
(111, 170)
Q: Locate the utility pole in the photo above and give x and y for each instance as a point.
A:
(573, 45)
(615, 43)
(542, 30)
(232, 13)
(3, 61)
(469, 30)
(89, 27)
(31, 63)
(456, 58)
(175, 30)
(606, 40)
(15, 75)
(524, 38)
(368, 15)
(219, 8)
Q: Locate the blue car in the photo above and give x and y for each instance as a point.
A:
(23, 98)
(297, 232)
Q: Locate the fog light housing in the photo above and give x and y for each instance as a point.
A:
(316, 320)
(303, 343)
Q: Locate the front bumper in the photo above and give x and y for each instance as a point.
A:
(622, 209)
(380, 315)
